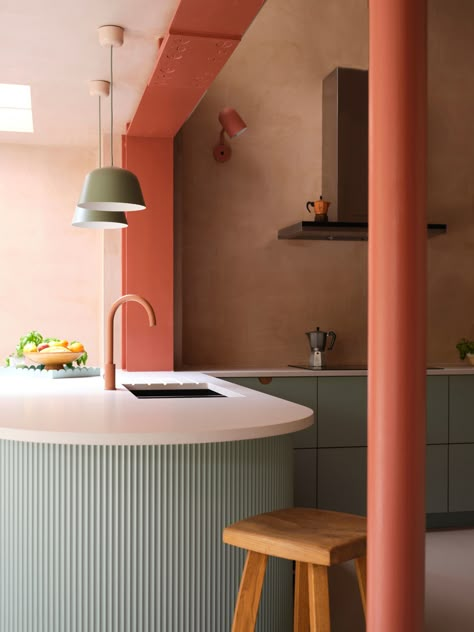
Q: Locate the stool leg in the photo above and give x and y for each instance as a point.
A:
(301, 608)
(318, 598)
(361, 570)
(248, 599)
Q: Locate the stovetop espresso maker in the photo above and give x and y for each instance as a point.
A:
(317, 342)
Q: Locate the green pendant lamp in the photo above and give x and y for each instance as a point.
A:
(93, 218)
(83, 218)
(111, 188)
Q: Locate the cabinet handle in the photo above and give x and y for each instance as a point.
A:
(265, 380)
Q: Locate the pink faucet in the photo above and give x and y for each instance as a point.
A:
(109, 368)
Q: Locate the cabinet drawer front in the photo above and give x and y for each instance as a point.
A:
(301, 390)
(342, 479)
(437, 387)
(436, 478)
(461, 408)
(342, 411)
(305, 477)
(461, 477)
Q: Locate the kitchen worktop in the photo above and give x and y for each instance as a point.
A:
(80, 411)
(288, 371)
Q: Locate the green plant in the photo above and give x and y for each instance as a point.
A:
(32, 336)
(464, 347)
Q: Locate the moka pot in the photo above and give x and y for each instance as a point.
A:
(317, 342)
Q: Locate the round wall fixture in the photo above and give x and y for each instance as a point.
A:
(222, 153)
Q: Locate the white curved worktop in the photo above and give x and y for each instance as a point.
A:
(79, 411)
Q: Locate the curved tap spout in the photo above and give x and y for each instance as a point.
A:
(109, 368)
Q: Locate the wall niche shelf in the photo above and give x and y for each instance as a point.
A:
(340, 231)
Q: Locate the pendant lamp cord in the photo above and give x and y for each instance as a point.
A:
(111, 109)
(100, 135)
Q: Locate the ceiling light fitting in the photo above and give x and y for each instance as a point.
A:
(88, 218)
(111, 188)
(233, 125)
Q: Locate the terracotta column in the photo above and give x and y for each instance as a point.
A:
(147, 256)
(397, 314)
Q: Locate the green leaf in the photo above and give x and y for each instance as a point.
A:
(82, 359)
(464, 347)
(32, 336)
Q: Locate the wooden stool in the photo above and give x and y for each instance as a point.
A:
(314, 539)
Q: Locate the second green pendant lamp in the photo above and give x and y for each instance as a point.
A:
(86, 218)
(111, 188)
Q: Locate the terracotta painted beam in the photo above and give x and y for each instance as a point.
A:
(215, 17)
(200, 39)
(397, 315)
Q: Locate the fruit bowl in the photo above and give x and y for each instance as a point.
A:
(53, 360)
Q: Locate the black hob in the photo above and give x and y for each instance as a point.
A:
(342, 367)
(333, 367)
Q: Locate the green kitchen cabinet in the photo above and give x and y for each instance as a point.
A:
(461, 477)
(299, 390)
(305, 481)
(436, 497)
(461, 408)
(342, 479)
(437, 409)
(331, 457)
(342, 412)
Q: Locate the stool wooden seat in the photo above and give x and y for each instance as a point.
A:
(315, 540)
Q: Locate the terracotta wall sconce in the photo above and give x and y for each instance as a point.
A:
(233, 125)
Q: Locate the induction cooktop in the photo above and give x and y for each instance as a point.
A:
(333, 367)
(341, 367)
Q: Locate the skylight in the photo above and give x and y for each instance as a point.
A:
(15, 108)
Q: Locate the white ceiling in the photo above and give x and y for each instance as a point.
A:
(53, 46)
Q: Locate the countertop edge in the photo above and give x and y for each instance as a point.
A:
(148, 439)
(244, 415)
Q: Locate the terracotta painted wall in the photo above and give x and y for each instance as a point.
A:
(247, 298)
(50, 272)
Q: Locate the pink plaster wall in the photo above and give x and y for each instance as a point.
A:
(50, 272)
(247, 298)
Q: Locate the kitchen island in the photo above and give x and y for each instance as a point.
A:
(112, 507)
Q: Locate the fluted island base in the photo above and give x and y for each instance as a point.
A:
(128, 538)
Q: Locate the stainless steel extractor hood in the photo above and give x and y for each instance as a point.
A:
(345, 164)
(345, 156)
